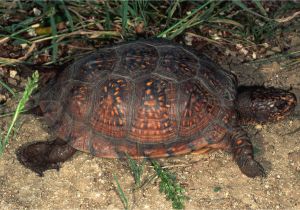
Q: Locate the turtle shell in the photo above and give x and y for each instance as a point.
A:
(148, 98)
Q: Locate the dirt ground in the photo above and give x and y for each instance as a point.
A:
(211, 181)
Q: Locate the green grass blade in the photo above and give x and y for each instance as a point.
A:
(16, 34)
(244, 7)
(107, 19)
(68, 15)
(124, 8)
(121, 193)
(7, 87)
(32, 84)
(19, 3)
(260, 7)
(21, 25)
(171, 10)
(54, 33)
(184, 23)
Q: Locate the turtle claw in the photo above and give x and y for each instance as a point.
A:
(251, 167)
(40, 169)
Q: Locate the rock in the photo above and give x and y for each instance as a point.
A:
(12, 81)
(13, 73)
(258, 127)
(3, 71)
(23, 83)
(2, 99)
(269, 52)
(276, 49)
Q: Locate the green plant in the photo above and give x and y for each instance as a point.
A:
(121, 193)
(136, 169)
(217, 189)
(32, 84)
(169, 186)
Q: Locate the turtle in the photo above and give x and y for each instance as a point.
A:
(150, 98)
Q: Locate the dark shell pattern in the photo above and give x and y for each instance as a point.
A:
(148, 98)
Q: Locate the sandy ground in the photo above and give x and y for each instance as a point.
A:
(86, 182)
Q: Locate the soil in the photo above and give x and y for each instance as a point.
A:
(211, 181)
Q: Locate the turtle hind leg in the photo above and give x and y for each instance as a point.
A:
(42, 156)
(243, 155)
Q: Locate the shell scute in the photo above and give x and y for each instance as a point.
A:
(95, 67)
(154, 118)
(80, 100)
(198, 108)
(222, 82)
(101, 147)
(80, 136)
(136, 60)
(111, 107)
(176, 63)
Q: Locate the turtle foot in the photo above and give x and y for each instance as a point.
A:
(42, 156)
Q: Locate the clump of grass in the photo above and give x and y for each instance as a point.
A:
(63, 24)
(170, 186)
(32, 84)
(136, 170)
(121, 194)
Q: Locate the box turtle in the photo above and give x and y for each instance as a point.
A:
(150, 98)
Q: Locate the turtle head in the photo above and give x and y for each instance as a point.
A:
(263, 104)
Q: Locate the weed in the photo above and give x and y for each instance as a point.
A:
(30, 87)
(136, 170)
(217, 189)
(169, 186)
(121, 194)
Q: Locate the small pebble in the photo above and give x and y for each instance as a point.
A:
(276, 49)
(23, 83)
(269, 52)
(12, 81)
(3, 71)
(36, 12)
(12, 73)
(244, 51)
(258, 127)
(2, 99)
(266, 45)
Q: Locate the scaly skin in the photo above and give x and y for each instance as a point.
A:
(261, 104)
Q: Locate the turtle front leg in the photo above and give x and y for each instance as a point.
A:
(243, 154)
(42, 156)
